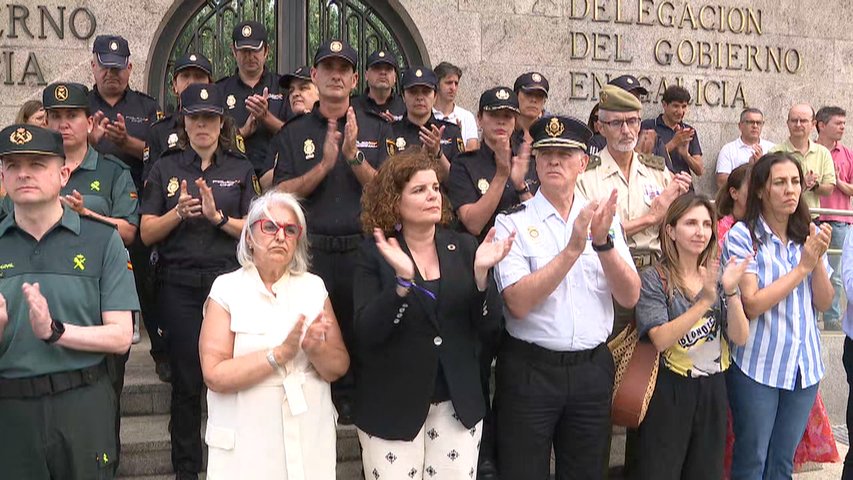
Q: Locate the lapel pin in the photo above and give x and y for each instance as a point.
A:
(451, 247)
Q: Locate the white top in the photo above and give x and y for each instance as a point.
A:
(283, 427)
(578, 315)
(737, 153)
(465, 119)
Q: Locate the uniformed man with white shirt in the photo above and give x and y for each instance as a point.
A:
(748, 147)
(554, 377)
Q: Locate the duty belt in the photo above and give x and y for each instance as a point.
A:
(644, 258)
(52, 383)
(335, 243)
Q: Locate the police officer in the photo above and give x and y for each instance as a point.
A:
(300, 91)
(253, 97)
(554, 376)
(419, 127)
(66, 297)
(379, 96)
(193, 208)
(325, 157)
(122, 116)
(531, 88)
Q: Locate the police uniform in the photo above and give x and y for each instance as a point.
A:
(554, 373)
(301, 73)
(395, 104)
(57, 406)
(253, 35)
(190, 258)
(138, 109)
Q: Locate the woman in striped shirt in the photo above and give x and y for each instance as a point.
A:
(775, 376)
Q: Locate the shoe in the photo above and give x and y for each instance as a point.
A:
(137, 337)
(345, 411)
(487, 470)
(163, 370)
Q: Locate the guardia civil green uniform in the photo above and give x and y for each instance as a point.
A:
(57, 406)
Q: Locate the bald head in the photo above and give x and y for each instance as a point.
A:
(800, 121)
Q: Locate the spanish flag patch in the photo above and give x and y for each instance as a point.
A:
(129, 266)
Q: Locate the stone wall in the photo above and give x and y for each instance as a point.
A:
(495, 40)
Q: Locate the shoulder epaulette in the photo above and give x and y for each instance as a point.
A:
(652, 161)
(514, 209)
(164, 118)
(594, 162)
(146, 96)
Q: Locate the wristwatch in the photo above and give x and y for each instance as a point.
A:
(815, 186)
(608, 244)
(358, 160)
(57, 328)
(223, 221)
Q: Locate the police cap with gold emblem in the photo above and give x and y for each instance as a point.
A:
(629, 83)
(498, 98)
(202, 97)
(112, 51)
(65, 95)
(30, 140)
(531, 81)
(615, 99)
(380, 57)
(193, 60)
(301, 73)
(336, 49)
(419, 76)
(249, 34)
(560, 132)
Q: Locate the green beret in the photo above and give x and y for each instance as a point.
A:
(65, 95)
(614, 99)
(32, 140)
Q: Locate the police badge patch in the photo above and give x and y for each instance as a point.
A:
(308, 149)
(172, 187)
(172, 141)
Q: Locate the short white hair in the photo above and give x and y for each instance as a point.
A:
(259, 210)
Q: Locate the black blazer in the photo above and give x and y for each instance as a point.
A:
(400, 341)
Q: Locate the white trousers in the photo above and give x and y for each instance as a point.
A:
(443, 450)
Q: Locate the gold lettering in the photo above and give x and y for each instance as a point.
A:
(662, 86)
(741, 22)
(620, 58)
(572, 10)
(687, 14)
(32, 69)
(698, 93)
(680, 50)
(600, 41)
(575, 53)
(719, 64)
(705, 57)
(646, 82)
(753, 21)
(739, 96)
(577, 86)
(706, 8)
(776, 58)
(619, 18)
(725, 94)
(710, 102)
(599, 11)
(733, 57)
(665, 57)
(670, 21)
(751, 53)
(644, 10)
(597, 83)
(793, 53)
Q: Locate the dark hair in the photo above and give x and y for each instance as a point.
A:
(444, 69)
(381, 199)
(798, 222)
(747, 111)
(676, 93)
(593, 117)
(669, 252)
(825, 114)
(725, 202)
(27, 110)
(226, 134)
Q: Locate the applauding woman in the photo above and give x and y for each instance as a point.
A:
(688, 314)
(775, 376)
(421, 296)
(193, 207)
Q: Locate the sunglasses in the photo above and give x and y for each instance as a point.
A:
(269, 227)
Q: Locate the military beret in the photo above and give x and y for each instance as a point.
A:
(629, 83)
(498, 98)
(193, 60)
(65, 95)
(615, 99)
(381, 56)
(202, 97)
(28, 139)
(112, 51)
(560, 132)
(249, 34)
(419, 76)
(531, 81)
(301, 73)
(339, 49)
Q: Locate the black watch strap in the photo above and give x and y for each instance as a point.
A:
(57, 328)
(608, 245)
(223, 221)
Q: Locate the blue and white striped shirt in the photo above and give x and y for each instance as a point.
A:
(785, 339)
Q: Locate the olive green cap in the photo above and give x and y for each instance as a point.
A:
(615, 99)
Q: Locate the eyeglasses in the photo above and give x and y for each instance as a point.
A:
(631, 122)
(753, 123)
(268, 227)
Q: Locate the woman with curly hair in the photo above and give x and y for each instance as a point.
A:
(422, 292)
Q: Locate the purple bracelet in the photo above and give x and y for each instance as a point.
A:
(407, 284)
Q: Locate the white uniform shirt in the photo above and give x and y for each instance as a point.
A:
(578, 315)
(465, 119)
(737, 153)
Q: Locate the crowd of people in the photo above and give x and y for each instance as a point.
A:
(312, 258)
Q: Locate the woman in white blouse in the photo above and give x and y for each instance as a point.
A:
(269, 347)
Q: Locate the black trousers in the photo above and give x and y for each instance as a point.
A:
(553, 398)
(683, 436)
(489, 345)
(847, 359)
(181, 305)
(143, 275)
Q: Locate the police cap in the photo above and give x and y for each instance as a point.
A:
(65, 95)
(419, 76)
(615, 99)
(202, 97)
(112, 51)
(381, 56)
(531, 81)
(498, 98)
(249, 34)
(339, 49)
(28, 139)
(193, 60)
(301, 73)
(560, 132)
(629, 83)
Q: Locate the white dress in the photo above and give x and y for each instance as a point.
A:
(283, 427)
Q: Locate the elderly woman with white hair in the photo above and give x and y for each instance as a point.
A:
(270, 346)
